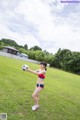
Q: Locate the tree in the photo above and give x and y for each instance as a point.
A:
(9, 42)
(74, 63)
(31, 54)
(35, 48)
(26, 47)
(39, 55)
(1, 45)
(22, 50)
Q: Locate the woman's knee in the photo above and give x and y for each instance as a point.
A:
(33, 96)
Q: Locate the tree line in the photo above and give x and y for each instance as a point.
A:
(63, 59)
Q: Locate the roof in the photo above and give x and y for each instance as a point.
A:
(9, 47)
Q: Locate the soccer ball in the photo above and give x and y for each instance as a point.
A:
(25, 67)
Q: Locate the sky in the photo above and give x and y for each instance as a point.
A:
(49, 24)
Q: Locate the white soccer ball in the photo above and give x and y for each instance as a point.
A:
(25, 67)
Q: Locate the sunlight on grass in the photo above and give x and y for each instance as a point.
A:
(60, 99)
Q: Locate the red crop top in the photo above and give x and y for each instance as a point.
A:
(41, 76)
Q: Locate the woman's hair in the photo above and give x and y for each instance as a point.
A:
(44, 64)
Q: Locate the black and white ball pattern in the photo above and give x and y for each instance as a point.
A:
(25, 67)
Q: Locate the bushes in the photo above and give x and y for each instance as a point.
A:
(67, 60)
(63, 59)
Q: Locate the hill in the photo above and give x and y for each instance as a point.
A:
(60, 99)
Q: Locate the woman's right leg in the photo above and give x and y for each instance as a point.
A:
(35, 95)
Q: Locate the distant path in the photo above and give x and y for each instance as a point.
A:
(17, 57)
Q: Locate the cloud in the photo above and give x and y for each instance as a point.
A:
(47, 23)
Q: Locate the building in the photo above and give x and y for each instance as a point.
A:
(9, 49)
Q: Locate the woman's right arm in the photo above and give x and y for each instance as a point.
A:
(32, 71)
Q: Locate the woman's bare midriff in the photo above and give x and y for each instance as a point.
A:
(40, 81)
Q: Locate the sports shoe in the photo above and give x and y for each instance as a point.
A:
(35, 107)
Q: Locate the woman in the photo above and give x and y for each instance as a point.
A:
(40, 83)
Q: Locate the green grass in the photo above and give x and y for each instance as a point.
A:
(60, 99)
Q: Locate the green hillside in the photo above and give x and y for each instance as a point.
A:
(60, 99)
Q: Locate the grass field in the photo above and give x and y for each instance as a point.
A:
(60, 99)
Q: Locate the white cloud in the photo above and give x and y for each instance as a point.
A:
(34, 11)
(20, 39)
(40, 22)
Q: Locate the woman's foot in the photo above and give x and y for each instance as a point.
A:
(35, 107)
